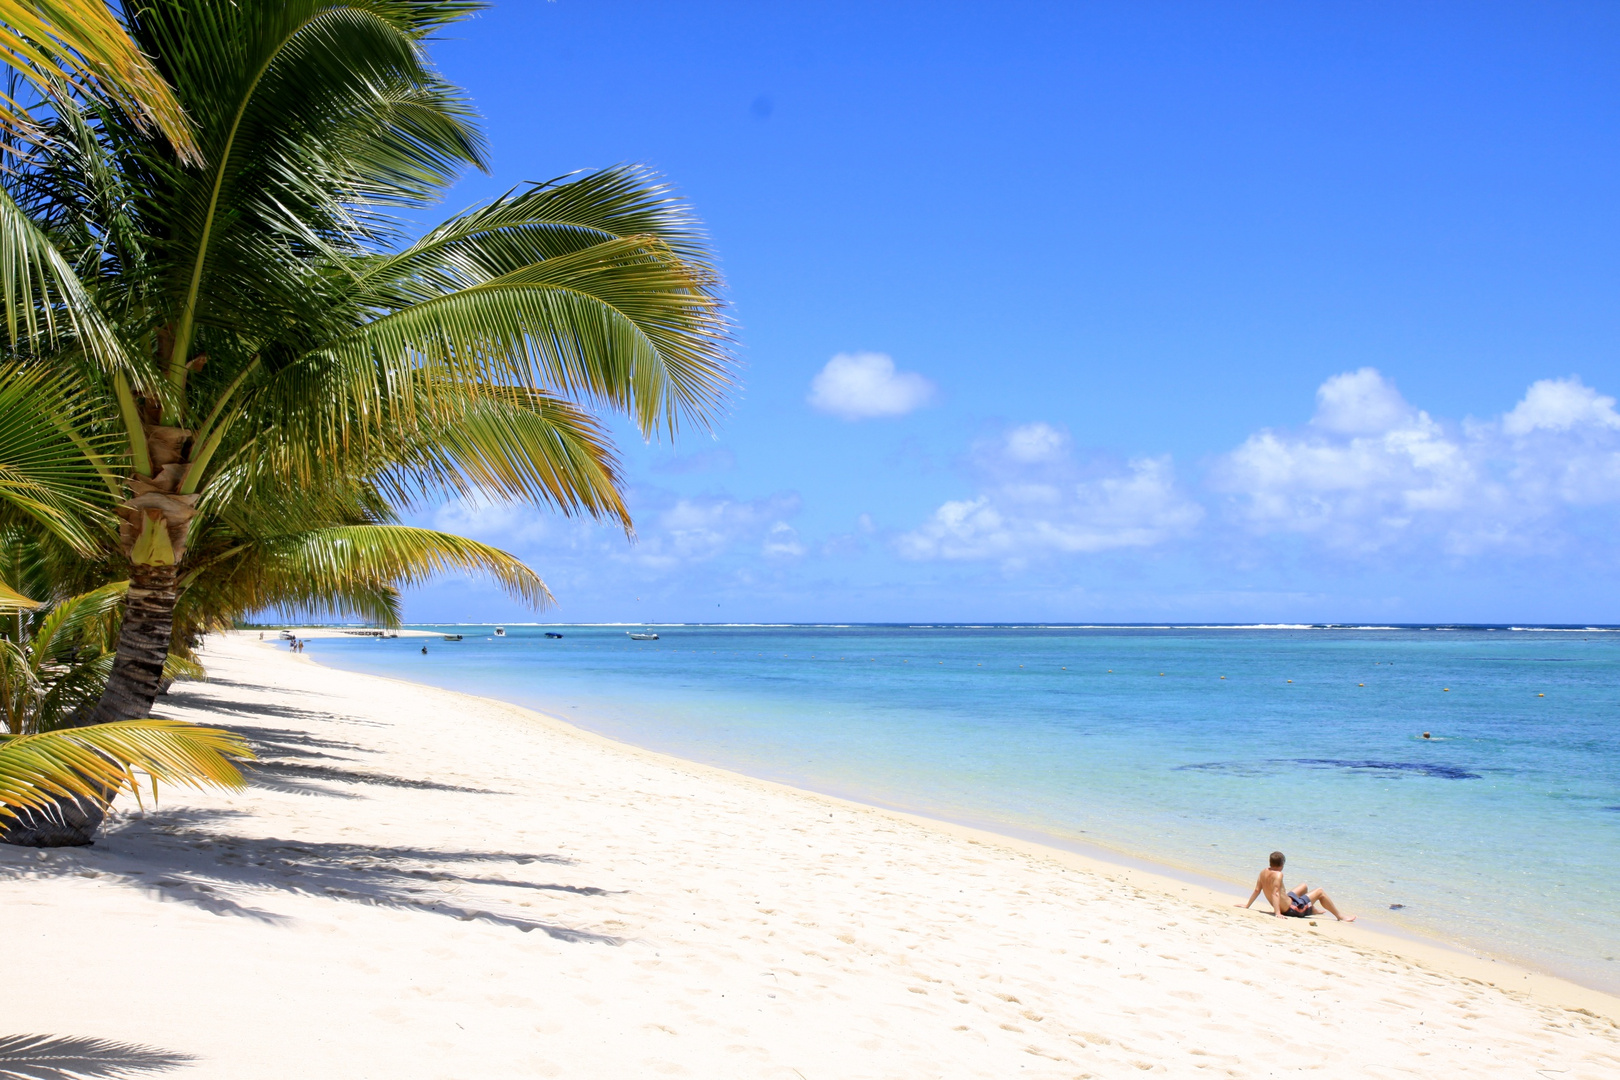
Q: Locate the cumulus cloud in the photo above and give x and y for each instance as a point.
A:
(862, 386)
(1036, 500)
(1360, 403)
(1561, 405)
(1372, 472)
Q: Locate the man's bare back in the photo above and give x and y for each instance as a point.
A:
(1298, 903)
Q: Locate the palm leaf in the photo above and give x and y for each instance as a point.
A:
(622, 323)
(546, 220)
(81, 44)
(97, 762)
(395, 554)
(43, 297)
(11, 600)
(50, 470)
(62, 629)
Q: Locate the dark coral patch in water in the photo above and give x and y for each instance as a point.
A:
(1384, 768)
(1443, 772)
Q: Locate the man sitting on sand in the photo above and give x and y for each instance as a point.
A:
(1298, 902)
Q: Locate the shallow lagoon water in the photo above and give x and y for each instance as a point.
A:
(1500, 832)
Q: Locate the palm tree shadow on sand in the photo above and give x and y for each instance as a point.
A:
(75, 1057)
(191, 857)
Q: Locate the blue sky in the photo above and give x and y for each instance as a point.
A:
(1113, 311)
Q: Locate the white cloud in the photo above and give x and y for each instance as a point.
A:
(1359, 403)
(504, 524)
(671, 531)
(861, 386)
(1560, 405)
(1372, 472)
(782, 542)
(1034, 500)
(1035, 442)
(698, 529)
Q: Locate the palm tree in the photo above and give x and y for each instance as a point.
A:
(264, 337)
(271, 329)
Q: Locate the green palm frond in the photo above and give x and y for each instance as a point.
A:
(44, 299)
(544, 221)
(500, 443)
(53, 468)
(367, 555)
(63, 629)
(96, 762)
(78, 43)
(184, 667)
(513, 444)
(11, 600)
(67, 690)
(623, 323)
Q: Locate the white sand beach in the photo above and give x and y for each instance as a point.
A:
(425, 884)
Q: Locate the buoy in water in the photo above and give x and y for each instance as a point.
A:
(1426, 735)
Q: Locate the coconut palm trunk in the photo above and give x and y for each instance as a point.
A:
(153, 526)
(143, 646)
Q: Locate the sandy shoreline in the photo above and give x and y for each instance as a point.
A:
(425, 884)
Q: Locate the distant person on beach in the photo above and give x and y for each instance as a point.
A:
(1297, 903)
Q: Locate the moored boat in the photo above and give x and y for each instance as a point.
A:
(648, 636)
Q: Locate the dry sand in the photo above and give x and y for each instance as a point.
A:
(423, 884)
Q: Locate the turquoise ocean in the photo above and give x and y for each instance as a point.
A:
(1196, 748)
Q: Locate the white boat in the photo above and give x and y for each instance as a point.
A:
(500, 631)
(649, 636)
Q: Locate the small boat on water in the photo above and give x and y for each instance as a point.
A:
(552, 634)
(500, 631)
(648, 636)
(452, 637)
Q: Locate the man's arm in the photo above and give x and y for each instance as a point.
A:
(1257, 890)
